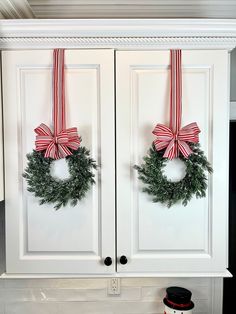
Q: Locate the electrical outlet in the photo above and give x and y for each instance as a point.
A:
(113, 286)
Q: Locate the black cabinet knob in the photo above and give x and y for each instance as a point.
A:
(123, 260)
(108, 261)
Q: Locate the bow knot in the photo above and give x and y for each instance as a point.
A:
(58, 146)
(56, 140)
(176, 142)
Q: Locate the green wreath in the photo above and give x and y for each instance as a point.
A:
(53, 190)
(169, 193)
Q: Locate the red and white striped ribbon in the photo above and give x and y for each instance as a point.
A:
(174, 138)
(57, 144)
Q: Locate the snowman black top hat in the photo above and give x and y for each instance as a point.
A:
(178, 298)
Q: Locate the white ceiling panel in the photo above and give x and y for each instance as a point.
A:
(118, 8)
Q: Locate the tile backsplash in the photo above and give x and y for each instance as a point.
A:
(80, 296)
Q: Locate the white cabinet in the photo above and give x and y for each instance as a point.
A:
(155, 239)
(74, 239)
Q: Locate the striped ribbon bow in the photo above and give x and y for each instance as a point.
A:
(58, 144)
(174, 138)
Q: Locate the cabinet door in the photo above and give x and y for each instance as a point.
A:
(76, 239)
(153, 237)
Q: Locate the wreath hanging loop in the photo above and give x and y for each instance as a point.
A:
(61, 142)
(175, 142)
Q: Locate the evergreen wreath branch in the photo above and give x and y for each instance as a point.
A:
(60, 192)
(169, 193)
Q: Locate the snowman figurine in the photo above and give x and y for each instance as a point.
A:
(178, 301)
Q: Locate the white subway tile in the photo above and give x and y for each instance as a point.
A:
(165, 282)
(32, 308)
(202, 306)
(45, 294)
(114, 307)
(153, 293)
(16, 295)
(86, 294)
(84, 308)
(90, 283)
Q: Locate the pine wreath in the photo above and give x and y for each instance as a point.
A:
(167, 192)
(60, 192)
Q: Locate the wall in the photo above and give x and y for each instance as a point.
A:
(89, 296)
(233, 76)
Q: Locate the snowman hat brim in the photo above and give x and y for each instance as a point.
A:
(176, 306)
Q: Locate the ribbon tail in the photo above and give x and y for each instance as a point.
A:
(170, 151)
(51, 151)
(184, 149)
(63, 151)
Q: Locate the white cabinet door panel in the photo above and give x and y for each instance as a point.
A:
(153, 237)
(72, 239)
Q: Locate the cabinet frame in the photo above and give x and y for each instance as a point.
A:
(138, 34)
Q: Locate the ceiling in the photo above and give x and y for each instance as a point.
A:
(11, 9)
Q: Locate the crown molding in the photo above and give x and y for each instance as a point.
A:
(16, 9)
(119, 33)
(118, 43)
(119, 28)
